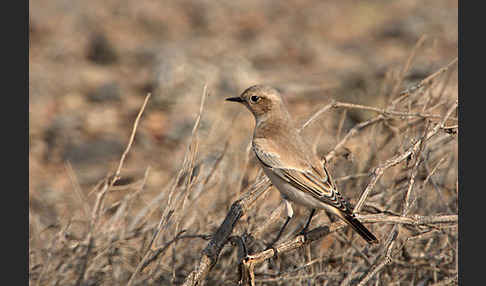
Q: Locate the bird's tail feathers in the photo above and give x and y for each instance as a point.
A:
(360, 228)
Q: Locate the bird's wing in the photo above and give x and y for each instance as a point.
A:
(301, 174)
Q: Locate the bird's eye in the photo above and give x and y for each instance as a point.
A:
(254, 98)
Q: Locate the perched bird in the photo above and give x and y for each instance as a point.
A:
(289, 162)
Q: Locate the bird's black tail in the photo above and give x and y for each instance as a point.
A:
(360, 228)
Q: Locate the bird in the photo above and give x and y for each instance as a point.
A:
(288, 161)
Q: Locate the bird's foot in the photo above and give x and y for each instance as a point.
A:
(303, 233)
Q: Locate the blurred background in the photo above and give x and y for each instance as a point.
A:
(91, 64)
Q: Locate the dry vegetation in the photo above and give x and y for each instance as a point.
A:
(141, 174)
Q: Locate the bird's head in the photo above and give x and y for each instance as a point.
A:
(261, 100)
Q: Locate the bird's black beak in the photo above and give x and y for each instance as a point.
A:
(235, 99)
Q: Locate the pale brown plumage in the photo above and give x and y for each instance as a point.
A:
(289, 161)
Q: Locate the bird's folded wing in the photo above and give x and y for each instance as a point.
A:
(302, 176)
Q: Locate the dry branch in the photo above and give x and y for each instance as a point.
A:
(425, 82)
(211, 252)
(250, 261)
(412, 150)
(319, 232)
(389, 246)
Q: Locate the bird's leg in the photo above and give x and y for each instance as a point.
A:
(280, 232)
(290, 214)
(304, 230)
